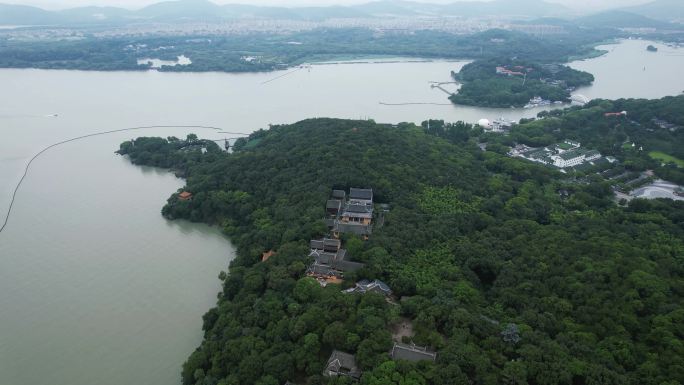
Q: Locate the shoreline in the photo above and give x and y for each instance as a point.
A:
(360, 60)
(592, 51)
(333, 59)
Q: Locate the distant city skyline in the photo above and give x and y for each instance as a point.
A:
(135, 4)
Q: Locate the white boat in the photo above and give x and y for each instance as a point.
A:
(537, 102)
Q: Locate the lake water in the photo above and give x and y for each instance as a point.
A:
(95, 286)
(629, 71)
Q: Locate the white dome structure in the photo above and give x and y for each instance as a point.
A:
(484, 123)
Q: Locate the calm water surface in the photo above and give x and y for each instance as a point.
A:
(629, 71)
(95, 286)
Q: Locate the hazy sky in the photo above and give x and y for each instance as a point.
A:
(57, 4)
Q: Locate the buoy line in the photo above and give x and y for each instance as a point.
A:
(28, 165)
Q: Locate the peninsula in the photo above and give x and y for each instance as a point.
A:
(440, 292)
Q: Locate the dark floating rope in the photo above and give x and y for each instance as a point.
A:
(28, 165)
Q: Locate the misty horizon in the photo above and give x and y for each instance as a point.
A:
(138, 4)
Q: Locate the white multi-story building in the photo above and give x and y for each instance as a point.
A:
(592, 155)
(568, 159)
(563, 155)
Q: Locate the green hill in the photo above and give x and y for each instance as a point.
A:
(507, 280)
(11, 14)
(660, 9)
(621, 19)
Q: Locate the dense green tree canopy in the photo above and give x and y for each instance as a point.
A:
(509, 281)
(272, 51)
(483, 86)
(633, 138)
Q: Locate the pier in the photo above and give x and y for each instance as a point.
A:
(439, 85)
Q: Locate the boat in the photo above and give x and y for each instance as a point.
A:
(537, 101)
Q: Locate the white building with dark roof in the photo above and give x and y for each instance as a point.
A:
(568, 159)
(562, 155)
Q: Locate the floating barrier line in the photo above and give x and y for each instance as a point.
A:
(28, 165)
(282, 76)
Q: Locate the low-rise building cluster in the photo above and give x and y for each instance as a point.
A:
(500, 125)
(330, 261)
(515, 71)
(664, 124)
(344, 364)
(345, 214)
(352, 214)
(561, 155)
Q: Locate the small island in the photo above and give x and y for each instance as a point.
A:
(503, 83)
(651, 48)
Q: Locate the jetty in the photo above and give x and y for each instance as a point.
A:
(440, 86)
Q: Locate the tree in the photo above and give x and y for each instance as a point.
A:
(475, 242)
(306, 289)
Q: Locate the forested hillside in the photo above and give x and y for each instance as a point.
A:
(276, 51)
(509, 281)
